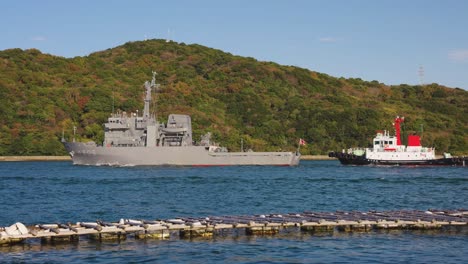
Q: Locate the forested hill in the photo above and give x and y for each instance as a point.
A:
(269, 106)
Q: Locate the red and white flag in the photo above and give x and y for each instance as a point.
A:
(302, 142)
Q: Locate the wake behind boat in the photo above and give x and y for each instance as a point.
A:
(131, 140)
(388, 150)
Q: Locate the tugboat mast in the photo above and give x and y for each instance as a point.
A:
(398, 120)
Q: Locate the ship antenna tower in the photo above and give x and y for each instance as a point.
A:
(421, 75)
(149, 86)
(74, 133)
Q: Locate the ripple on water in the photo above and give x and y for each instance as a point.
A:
(47, 192)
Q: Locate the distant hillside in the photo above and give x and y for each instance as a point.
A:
(269, 106)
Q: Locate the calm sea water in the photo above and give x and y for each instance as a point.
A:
(49, 192)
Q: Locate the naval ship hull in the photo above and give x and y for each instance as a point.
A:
(90, 154)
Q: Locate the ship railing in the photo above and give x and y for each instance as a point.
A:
(353, 150)
(424, 149)
(375, 150)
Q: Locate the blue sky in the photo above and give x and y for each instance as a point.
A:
(384, 40)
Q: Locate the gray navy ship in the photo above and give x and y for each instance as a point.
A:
(133, 140)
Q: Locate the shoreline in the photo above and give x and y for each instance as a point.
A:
(35, 158)
(68, 158)
(316, 157)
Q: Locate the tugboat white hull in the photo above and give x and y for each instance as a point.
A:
(350, 159)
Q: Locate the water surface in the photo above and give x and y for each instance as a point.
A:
(49, 192)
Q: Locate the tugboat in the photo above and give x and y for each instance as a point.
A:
(389, 150)
(134, 139)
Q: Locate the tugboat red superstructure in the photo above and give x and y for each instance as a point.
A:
(389, 150)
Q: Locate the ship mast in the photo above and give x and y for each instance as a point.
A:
(148, 86)
(398, 120)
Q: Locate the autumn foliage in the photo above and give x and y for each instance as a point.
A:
(268, 106)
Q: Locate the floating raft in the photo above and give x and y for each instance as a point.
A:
(269, 224)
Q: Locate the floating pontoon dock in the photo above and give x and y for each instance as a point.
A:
(269, 224)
